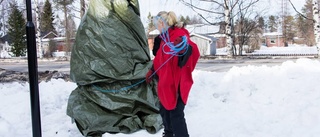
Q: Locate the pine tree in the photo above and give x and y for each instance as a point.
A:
(187, 20)
(272, 24)
(261, 23)
(17, 31)
(150, 22)
(182, 19)
(306, 25)
(47, 18)
(289, 30)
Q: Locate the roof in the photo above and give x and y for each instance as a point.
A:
(209, 38)
(46, 34)
(154, 32)
(5, 38)
(272, 34)
(203, 29)
(56, 39)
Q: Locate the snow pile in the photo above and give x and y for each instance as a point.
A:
(248, 101)
(4, 54)
(291, 50)
(298, 50)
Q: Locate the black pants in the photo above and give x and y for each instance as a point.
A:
(174, 121)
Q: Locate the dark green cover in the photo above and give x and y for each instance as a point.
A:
(110, 54)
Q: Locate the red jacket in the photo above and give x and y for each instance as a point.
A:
(171, 75)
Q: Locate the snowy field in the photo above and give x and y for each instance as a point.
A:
(250, 101)
(292, 49)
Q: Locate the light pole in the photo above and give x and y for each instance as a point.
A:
(33, 73)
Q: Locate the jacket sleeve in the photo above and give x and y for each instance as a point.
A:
(184, 58)
(156, 45)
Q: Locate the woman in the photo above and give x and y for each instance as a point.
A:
(174, 63)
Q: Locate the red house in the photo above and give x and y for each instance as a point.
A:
(273, 39)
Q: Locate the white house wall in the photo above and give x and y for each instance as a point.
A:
(203, 45)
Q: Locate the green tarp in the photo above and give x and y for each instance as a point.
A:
(109, 61)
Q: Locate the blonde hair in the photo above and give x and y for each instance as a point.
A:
(170, 18)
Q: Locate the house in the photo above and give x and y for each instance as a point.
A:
(59, 42)
(5, 48)
(273, 39)
(4, 43)
(207, 45)
(215, 31)
(151, 37)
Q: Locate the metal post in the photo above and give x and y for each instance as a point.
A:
(33, 73)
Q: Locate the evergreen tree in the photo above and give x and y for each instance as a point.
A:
(301, 26)
(272, 24)
(307, 27)
(187, 20)
(182, 19)
(17, 31)
(150, 23)
(47, 18)
(261, 23)
(289, 30)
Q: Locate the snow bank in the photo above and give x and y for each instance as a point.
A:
(250, 101)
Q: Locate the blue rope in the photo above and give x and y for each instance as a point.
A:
(174, 51)
(131, 86)
(121, 89)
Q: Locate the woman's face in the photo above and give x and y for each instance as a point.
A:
(158, 23)
(160, 26)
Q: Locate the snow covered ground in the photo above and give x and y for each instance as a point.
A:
(250, 101)
(292, 49)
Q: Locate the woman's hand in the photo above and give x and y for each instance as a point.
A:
(149, 76)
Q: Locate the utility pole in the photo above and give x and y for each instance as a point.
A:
(316, 23)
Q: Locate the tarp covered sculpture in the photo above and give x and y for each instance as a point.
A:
(109, 61)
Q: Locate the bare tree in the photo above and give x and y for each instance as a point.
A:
(4, 15)
(64, 4)
(246, 28)
(83, 7)
(79, 9)
(228, 10)
(316, 23)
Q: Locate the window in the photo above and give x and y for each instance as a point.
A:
(272, 41)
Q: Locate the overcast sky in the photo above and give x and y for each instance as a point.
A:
(154, 6)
